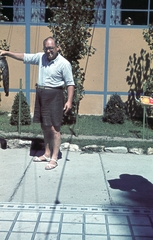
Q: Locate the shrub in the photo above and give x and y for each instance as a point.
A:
(114, 112)
(25, 111)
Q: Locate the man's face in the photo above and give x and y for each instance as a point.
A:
(51, 49)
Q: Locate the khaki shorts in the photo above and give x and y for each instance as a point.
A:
(49, 107)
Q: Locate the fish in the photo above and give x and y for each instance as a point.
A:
(4, 74)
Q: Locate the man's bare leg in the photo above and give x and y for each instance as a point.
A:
(56, 142)
(55, 146)
(47, 139)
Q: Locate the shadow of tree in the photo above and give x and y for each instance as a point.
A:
(139, 69)
(134, 183)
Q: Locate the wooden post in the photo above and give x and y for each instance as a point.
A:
(19, 120)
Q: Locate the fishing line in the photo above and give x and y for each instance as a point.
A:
(86, 65)
(91, 40)
(9, 36)
(34, 73)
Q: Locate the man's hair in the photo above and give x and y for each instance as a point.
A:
(53, 38)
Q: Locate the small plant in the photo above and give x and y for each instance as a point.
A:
(148, 86)
(2, 17)
(4, 45)
(25, 111)
(148, 36)
(148, 83)
(114, 111)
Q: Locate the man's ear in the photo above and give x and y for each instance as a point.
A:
(58, 48)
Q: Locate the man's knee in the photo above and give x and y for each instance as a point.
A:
(55, 129)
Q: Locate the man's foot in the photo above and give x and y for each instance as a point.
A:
(42, 158)
(51, 165)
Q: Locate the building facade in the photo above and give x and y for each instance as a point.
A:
(117, 35)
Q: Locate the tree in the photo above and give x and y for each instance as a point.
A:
(114, 111)
(25, 111)
(70, 23)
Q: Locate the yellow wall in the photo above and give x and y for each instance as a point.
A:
(15, 36)
(123, 42)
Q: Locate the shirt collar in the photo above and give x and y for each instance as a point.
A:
(54, 60)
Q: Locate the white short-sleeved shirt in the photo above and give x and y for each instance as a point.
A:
(56, 73)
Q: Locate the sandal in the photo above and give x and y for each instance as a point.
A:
(51, 166)
(37, 159)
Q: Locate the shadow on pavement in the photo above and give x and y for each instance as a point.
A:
(139, 187)
(3, 143)
(38, 148)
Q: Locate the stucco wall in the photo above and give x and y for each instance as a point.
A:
(15, 36)
(122, 44)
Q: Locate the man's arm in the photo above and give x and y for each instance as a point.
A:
(68, 104)
(17, 56)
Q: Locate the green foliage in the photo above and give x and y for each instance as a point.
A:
(148, 82)
(114, 111)
(70, 23)
(139, 68)
(25, 111)
(139, 78)
(148, 86)
(4, 45)
(148, 36)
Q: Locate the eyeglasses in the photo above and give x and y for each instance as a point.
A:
(48, 48)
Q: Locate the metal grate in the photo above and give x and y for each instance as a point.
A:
(76, 208)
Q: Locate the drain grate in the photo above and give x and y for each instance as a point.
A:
(76, 208)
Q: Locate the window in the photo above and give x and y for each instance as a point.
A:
(100, 11)
(7, 11)
(38, 11)
(13, 10)
(131, 12)
(115, 16)
(136, 10)
(122, 12)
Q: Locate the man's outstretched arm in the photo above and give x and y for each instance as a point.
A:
(17, 56)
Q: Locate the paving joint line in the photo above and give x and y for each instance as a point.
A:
(106, 183)
(20, 181)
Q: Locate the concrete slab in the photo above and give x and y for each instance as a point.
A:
(76, 180)
(130, 178)
(13, 166)
(101, 196)
(90, 179)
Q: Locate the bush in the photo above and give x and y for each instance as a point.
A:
(114, 112)
(25, 111)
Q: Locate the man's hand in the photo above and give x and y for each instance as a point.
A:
(67, 107)
(68, 104)
(2, 53)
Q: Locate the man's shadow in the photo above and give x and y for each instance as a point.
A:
(139, 187)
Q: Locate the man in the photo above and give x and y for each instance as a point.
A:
(54, 72)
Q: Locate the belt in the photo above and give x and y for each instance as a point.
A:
(45, 87)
